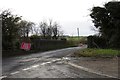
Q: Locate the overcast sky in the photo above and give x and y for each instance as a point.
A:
(70, 14)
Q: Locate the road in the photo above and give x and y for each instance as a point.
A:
(50, 64)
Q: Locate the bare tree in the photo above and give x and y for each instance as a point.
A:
(36, 31)
(43, 27)
(25, 28)
(51, 30)
(55, 30)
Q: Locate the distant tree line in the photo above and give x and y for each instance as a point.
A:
(107, 20)
(14, 29)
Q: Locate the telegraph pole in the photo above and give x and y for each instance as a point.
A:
(78, 32)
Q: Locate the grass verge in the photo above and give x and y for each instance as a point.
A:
(88, 52)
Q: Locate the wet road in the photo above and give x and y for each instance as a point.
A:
(51, 64)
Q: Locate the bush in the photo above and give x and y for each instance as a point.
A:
(96, 42)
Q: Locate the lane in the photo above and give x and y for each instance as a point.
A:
(51, 64)
(52, 69)
(16, 63)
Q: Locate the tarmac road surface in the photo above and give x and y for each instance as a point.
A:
(50, 64)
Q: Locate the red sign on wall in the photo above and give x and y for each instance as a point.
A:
(25, 46)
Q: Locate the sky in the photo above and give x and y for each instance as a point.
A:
(69, 14)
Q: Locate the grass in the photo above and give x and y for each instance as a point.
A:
(74, 40)
(97, 53)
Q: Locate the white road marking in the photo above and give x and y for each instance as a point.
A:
(26, 60)
(53, 60)
(50, 61)
(26, 69)
(57, 59)
(43, 63)
(66, 58)
(14, 73)
(35, 66)
(89, 70)
(2, 77)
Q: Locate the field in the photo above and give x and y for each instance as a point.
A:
(75, 40)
